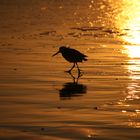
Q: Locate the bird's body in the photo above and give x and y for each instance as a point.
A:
(71, 55)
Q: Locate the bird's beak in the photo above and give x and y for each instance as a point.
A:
(56, 53)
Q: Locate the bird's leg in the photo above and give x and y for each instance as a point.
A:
(71, 68)
(74, 81)
(79, 72)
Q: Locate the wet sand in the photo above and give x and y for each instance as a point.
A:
(39, 101)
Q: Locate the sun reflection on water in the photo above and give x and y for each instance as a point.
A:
(132, 51)
(132, 92)
(128, 21)
(133, 35)
(133, 62)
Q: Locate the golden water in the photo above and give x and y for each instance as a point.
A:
(38, 100)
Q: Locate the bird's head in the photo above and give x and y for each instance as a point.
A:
(61, 49)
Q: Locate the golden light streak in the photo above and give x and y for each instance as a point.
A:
(132, 51)
(128, 20)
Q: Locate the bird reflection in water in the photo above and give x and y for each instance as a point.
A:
(72, 89)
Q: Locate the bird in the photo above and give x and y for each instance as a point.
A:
(72, 56)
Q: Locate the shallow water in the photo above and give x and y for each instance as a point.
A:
(38, 100)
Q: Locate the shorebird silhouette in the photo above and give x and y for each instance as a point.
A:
(72, 55)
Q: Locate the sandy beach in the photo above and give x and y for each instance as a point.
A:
(39, 100)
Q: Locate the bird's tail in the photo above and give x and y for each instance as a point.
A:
(85, 59)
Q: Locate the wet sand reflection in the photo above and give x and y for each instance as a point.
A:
(72, 89)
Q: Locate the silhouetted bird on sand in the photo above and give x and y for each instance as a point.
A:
(72, 55)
